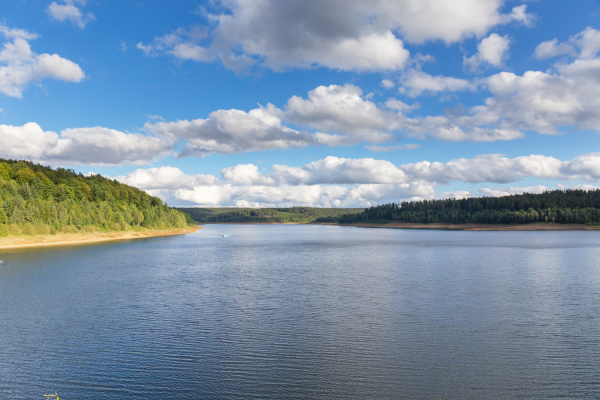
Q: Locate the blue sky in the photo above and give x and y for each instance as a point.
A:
(317, 103)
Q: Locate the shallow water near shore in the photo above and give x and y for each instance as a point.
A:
(305, 311)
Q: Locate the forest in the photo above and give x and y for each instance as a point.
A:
(558, 206)
(266, 215)
(35, 199)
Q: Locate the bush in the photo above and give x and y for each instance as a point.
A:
(29, 229)
(3, 230)
(52, 230)
(43, 229)
(124, 226)
(115, 227)
(14, 229)
(69, 229)
(89, 228)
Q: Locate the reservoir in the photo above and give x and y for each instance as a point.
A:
(305, 311)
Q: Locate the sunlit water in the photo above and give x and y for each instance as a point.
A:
(295, 311)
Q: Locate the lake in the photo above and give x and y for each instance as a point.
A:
(305, 311)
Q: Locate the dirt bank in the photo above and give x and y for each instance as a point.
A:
(63, 239)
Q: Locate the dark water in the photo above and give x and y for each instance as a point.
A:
(318, 312)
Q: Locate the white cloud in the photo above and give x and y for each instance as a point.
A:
(166, 178)
(69, 11)
(357, 35)
(182, 44)
(499, 169)
(246, 174)
(512, 191)
(587, 41)
(378, 149)
(19, 65)
(234, 131)
(341, 109)
(365, 181)
(339, 114)
(552, 48)
(492, 50)
(415, 83)
(89, 146)
(336, 170)
(25, 142)
(386, 83)
(544, 102)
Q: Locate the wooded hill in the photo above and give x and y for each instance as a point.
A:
(559, 206)
(39, 200)
(272, 215)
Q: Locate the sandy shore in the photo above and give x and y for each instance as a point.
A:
(64, 239)
(541, 226)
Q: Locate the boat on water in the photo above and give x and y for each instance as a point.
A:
(1, 262)
(226, 235)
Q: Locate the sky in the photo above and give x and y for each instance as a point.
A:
(337, 103)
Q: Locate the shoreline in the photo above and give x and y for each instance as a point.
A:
(536, 226)
(69, 239)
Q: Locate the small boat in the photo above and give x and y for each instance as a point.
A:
(1, 262)
(226, 235)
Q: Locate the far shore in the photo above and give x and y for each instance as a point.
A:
(67, 239)
(537, 226)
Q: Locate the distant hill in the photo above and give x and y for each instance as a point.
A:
(559, 206)
(272, 215)
(35, 199)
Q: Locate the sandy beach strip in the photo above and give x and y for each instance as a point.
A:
(67, 239)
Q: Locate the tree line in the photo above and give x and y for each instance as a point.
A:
(558, 206)
(265, 215)
(36, 199)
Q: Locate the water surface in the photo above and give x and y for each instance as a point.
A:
(299, 311)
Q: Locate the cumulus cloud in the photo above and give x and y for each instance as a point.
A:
(336, 170)
(346, 182)
(512, 191)
(499, 169)
(354, 35)
(335, 115)
(182, 44)
(71, 12)
(19, 65)
(342, 109)
(233, 131)
(90, 146)
(492, 50)
(587, 42)
(552, 48)
(166, 178)
(415, 83)
(378, 149)
(545, 101)
(386, 83)
(338, 116)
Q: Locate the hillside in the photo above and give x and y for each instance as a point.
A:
(40, 200)
(558, 206)
(265, 215)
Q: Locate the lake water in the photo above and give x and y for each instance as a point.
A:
(298, 311)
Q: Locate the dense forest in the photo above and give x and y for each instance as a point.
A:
(293, 214)
(40, 200)
(559, 206)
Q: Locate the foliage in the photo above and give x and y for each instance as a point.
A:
(40, 200)
(293, 214)
(560, 206)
